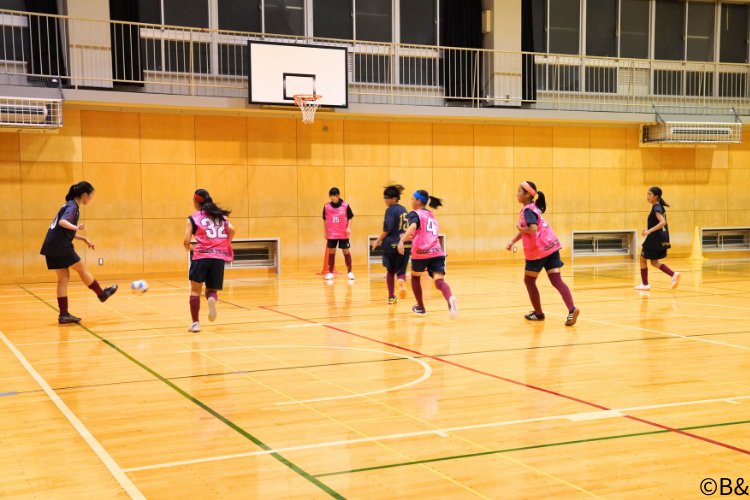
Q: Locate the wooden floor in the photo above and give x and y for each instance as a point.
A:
(304, 390)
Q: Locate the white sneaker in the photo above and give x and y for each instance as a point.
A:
(329, 276)
(675, 280)
(453, 306)
(643, 287)
(195, 327)
(211, 309)
(351, 275)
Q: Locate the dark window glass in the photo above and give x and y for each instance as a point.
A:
(285, 17)
(564, 78)
(542, 73)
(233, 60)
(601, 80)
(539, 21)
(634, 28)
(564, 26)
(12, 5)
(372, 68)
(601, 28)
(732, 84)
(419, 71)
(14, 43)
(700, 38)
(374, 20)
(418, 22)
(190, 13)
(149, 11)
(733, 27)
(151, 54)
(333, 19)
(239, 15)
(178, 57)
(699, 83)
(670, 36)
(667, 82)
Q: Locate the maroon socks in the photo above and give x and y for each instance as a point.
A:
(536, 301)
(348, 260)
(416, 288)
(331, 261)
(401, 277)
(195, 307)
(557, 282)
(62, 304)
(389, 279)
(441, 285)
(644, 275)
(212, 294)
(94, 286)
(666, 270)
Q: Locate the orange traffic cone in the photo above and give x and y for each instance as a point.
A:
(325, 265)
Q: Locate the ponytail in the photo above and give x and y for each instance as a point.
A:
(432, 201)
(78, 190)
(541, 201)
(208, 205)
(657, 192)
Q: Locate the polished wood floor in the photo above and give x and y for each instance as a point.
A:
(304, 390)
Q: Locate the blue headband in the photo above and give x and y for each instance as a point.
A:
(419, 196)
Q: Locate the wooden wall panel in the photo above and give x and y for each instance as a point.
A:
(494, 191)
(162, 246)
(10, 146)
(717, 157)
(412, 178)
(609, 221)
(607, 190)
(453, 145)
(492, 233)
(714, 218)
(638, 157)
(44, 186)
(272, 191)
(168, 191)
(118, 193)
(455, 186)
(459, 232)
(108, 136)
(570, 147)
(11, 248)
(119, 242)
(285, 228)
(410, 144)
(608, 147)
(493, 146)
(739, 199)
(220, 140)
(532, 147)
(320, 143)
(272, 141)
(10, 184)
(364, 189)
(678, 188)
(312, 242)
(167, 138)
(571, 188)
(711, 189)
(678, 158)
(681, 226)
(565, 224)
(313, 184)
(65, 146)
(739, 154)
(227, 185)
(241, 226)
(362, 228)
(365, 144)
(637, 184)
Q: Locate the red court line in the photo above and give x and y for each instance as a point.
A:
(522, 384)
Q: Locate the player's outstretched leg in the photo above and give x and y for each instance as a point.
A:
(666, 270)
(212, 297)
(416, 287)
(561, 287)
(93, 285)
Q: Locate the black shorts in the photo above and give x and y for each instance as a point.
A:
(552, 261)
(343, 244)
(432, 265)
(395, 263)
(654, 253)
(208, 271)
(61, 261)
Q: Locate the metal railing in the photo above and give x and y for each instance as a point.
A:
(177, 60)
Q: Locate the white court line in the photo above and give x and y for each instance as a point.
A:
(425, 375)
(574, 417)
(115, 469)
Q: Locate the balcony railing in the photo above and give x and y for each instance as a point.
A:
(84, 53)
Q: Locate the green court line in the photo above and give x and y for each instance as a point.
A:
(208, 409)
(534, 447)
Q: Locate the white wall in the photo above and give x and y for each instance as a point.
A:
(90, 44)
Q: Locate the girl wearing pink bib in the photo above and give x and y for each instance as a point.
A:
(337, 221)
(213, 235)
(542, 251)
(426, 252)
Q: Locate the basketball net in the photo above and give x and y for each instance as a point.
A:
(308, 103)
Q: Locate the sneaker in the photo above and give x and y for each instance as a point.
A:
(453, 307)
(211, 309)
(643, 288)
(573, 317)
(393, 301)
(401, 289)
(108, 292)
(350, 275)
(418, 310)
(329, 276)
(675, 280)
(533, 316)
(67, 318)
(195, 327)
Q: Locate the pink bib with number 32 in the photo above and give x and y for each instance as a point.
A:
(211, 237)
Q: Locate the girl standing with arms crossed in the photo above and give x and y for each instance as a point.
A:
(214, 235)
(61, 255)
(657, 240)
(426, 251)
(542, 251)
(394, 225)
(337, 221)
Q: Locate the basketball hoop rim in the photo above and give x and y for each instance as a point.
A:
(306, 98)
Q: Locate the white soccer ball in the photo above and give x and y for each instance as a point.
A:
(139, 286)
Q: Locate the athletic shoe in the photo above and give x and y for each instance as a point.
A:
(417, 310)
(675, 280)
(195, 327)
(67, 318)
(401, 289)
(573, 317)
(350, 275)
(108, 292)
(643, 288)
(393, 301)
(329, 276)
(453, 307)
(533, 316)
(212, 309)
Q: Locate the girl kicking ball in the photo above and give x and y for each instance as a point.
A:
(61, 255)
(657, 240)
(542, 251)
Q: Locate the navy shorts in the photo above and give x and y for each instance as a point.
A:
(208, 271)
(395, 263)
(343, 244)
(654, 253)
(432, 265)
(552, 261)
(61, 261)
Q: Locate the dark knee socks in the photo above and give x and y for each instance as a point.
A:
(348, 260)
(416, 288)
(389, 279)
(558, 283)
(644, 275)
(536, 301)
(331, 261)
(212, 294)
(94, 286)
(666, 270)
(441, 285)
(195, 307)
(62, 304)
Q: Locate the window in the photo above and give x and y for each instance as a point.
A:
(669, 43)
(564, 26)
(374, 20)
(333, 19)
(372, 68)
(233, 60)
(149, 11)
(418, 22)
(284, 17)
(634, 28)
(601, 28)
(700, 31)
(189, 13)
(239, 15)
(733, 33)
(539, 22)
